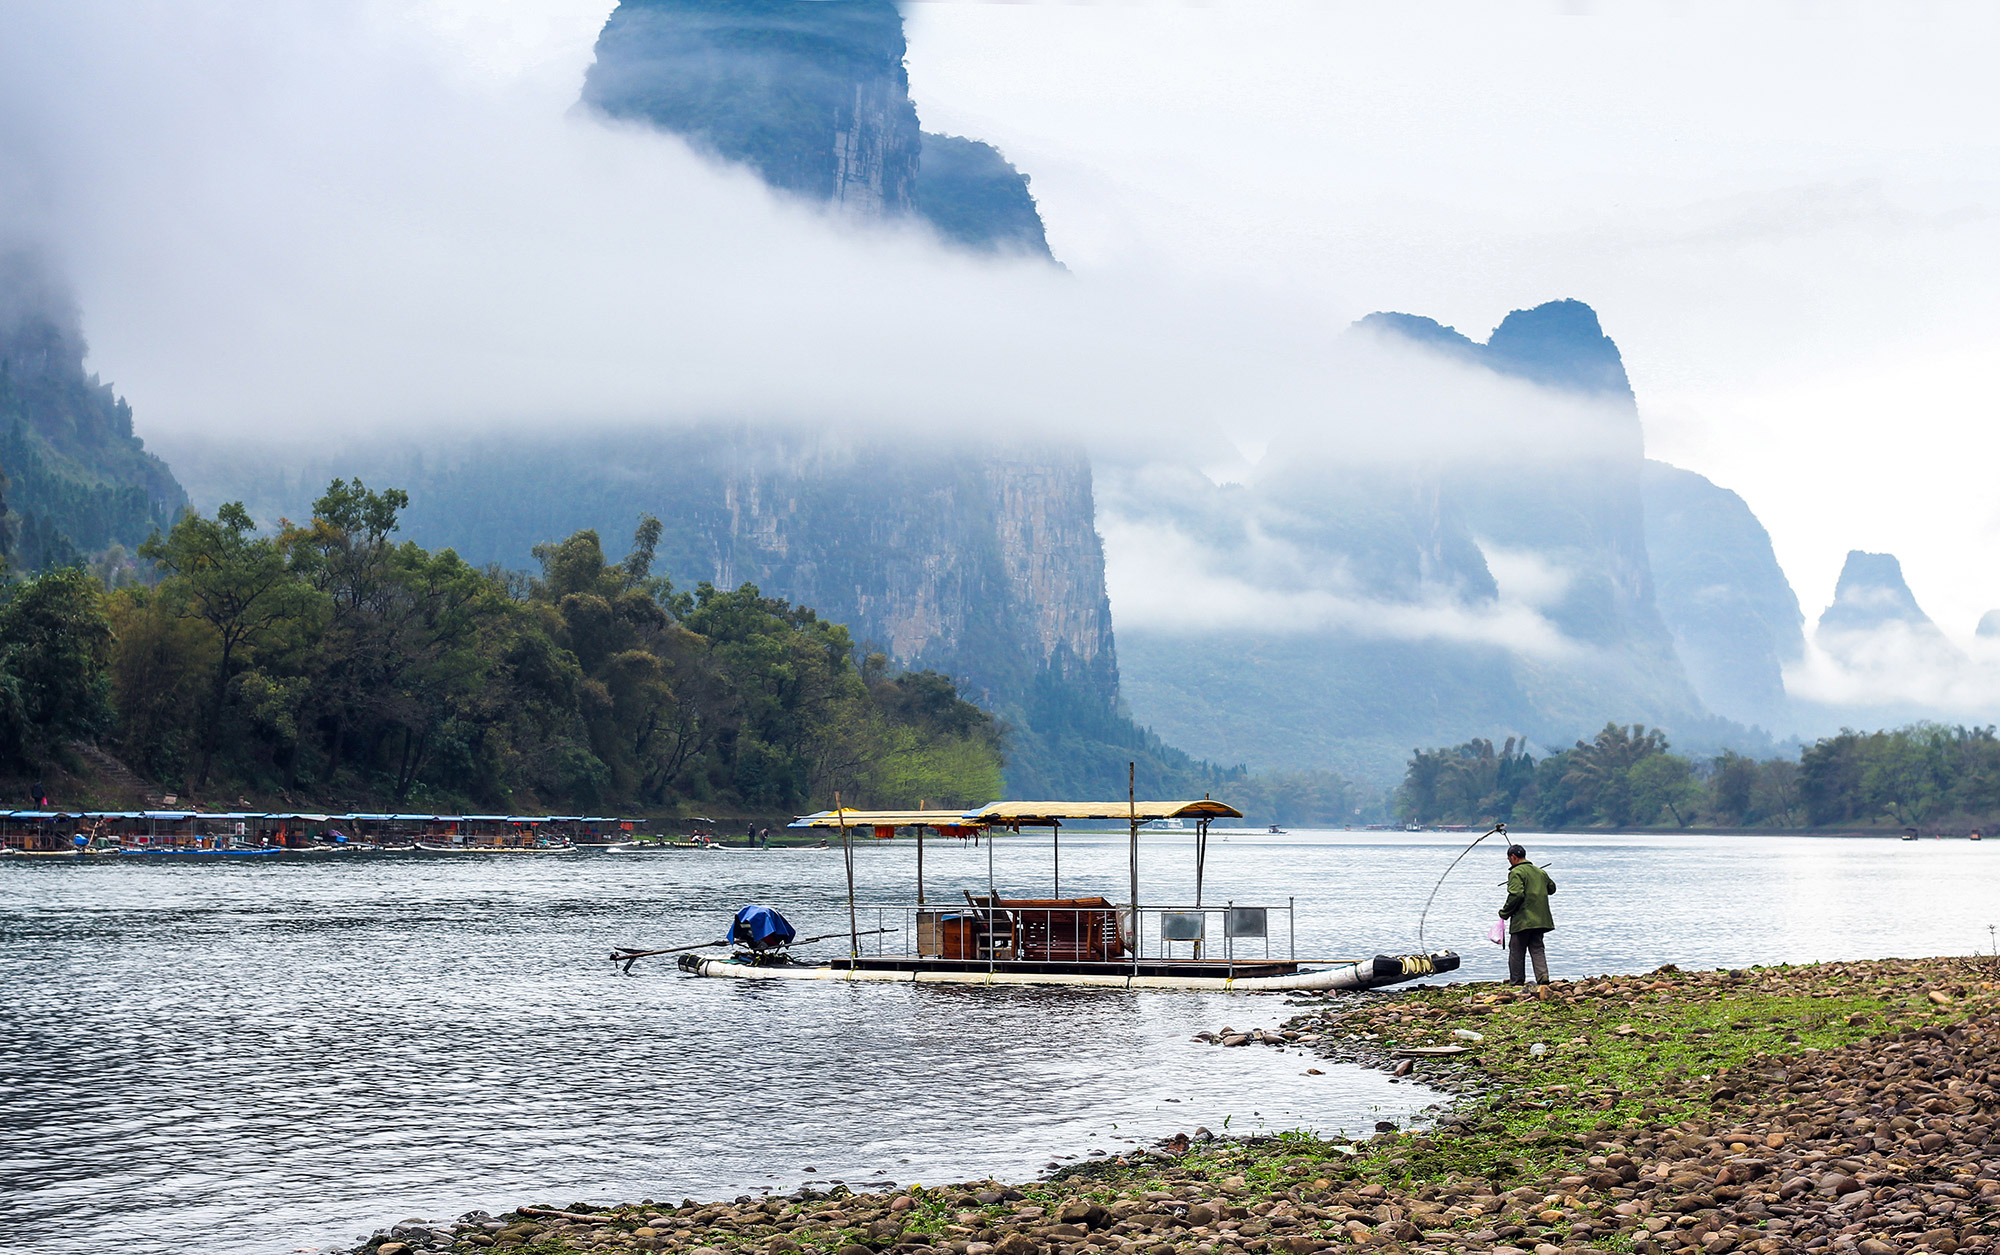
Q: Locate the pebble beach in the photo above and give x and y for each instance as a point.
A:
(1839, 1107)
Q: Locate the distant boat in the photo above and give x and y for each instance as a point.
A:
(1910, 834)
(1274, 828)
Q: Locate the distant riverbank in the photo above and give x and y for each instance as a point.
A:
(1846, 1106)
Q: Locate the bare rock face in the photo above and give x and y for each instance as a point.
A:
(981, 562)
(1734, 617)
(814, 97)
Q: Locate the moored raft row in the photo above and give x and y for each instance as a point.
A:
(237, 834)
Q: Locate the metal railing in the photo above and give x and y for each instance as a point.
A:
(989, 931)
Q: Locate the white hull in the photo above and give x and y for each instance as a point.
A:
(1343, 977)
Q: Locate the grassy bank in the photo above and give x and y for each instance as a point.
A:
(1846, 1107)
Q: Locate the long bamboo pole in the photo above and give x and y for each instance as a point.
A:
(847, 846)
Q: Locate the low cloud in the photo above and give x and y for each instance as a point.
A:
(319, 222)
(1908, 670)
(1165, 581)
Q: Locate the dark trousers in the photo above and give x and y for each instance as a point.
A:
(1520, 946)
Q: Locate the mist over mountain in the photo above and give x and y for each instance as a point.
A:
(1446, 597)
(78, 481)
(1321, 549)
(973, 556)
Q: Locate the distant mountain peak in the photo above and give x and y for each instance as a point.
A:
(814, 96)
(1870, 594)
(1558, 344)
(1989, 625)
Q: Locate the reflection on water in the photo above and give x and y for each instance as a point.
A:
(281, 1055)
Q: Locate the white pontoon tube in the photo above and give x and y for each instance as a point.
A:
(1376, 973)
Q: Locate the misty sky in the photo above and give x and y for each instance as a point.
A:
(1782, 213)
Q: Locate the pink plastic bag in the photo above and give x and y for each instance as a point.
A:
(1498, 933)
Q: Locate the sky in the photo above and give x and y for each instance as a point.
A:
(1783, 213)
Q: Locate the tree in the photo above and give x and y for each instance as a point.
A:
(1663, 782)
(161, 662)
(55, 643)
(236, 582)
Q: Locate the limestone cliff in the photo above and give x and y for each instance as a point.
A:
(814, 96)
(1733, 614)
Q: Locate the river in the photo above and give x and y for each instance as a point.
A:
(279, 1055)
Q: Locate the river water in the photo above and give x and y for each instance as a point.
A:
(279, 1055)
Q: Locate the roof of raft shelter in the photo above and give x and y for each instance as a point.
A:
(1037, 814)
(1048, 813)
(850, 818)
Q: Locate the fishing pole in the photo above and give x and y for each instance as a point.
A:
(1499, 828)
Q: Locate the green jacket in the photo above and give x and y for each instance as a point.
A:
(1527, 905)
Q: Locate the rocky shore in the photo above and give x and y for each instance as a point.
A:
(1849, 1108)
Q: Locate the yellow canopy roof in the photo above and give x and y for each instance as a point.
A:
(1044, 813)
(884, 819)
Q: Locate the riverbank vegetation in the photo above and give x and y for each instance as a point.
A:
(1847, 1107)
(328, 662)
(1925, 775)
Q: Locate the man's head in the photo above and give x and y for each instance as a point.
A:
(1516, 854)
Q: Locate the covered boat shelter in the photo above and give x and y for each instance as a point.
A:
(1132, 812)
(945, 823)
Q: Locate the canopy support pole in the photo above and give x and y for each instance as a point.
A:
(1132, 818)
(1200, 864)
(920, 865)
(847, 848)
(1057, 826)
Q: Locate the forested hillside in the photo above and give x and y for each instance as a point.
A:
(329, 662)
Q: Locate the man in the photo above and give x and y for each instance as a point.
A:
(1526, 911)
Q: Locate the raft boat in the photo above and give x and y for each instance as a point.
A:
(1087, 942)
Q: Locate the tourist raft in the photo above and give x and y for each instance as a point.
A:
(989, 939)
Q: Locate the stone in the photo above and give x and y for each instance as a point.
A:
(1874, 1246)
(393, 1248)
(1017, 1244)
